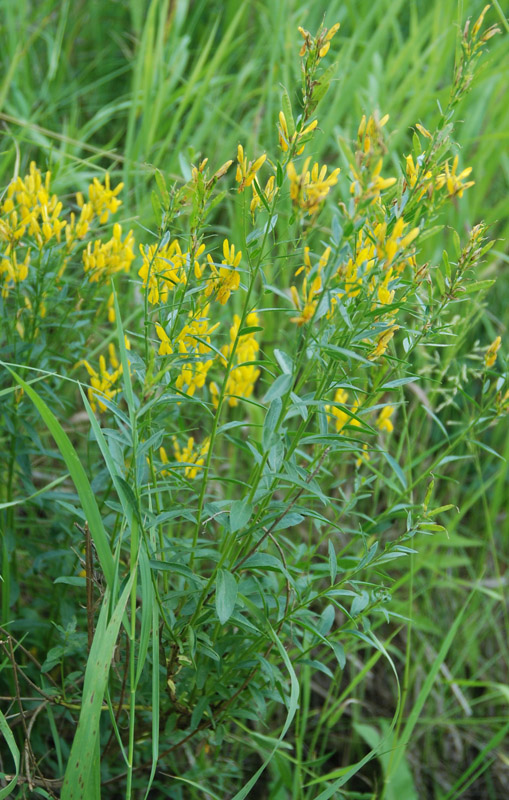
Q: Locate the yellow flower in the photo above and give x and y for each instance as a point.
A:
(369, 133)
(477, 25)
(193, 343)
(362, 262)
(12, 271)
(29, 205)
(425, 132)
(322, 263)
(103, 259)
(384, 422)
(103, 381)
(165, 348)
(102, 198)
(414, 173)
(164, 268)
(309, 189)
(246, 173)
(332, 31)
(111, 308)
(243, 374)
(363, 457)
(382, 342)
(319, 45)
(454, 183)
(269, 192)
(78, 230)
(368, 183)
(339, 416)
(306, 306)
(388, 246)
(226, 279)
(385, 296)
(491, 353)
(286, 141)
(194, 459)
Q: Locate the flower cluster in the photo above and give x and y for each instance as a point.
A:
(246, 172)
(384, 422)
(367, 181)
(309, 189)
(268, 194)
(297, 138)
(193, 347)
(317, 46)
(102, 198)
(12, 271)
(165, 267)
(33, 217)
(226, 278)
(307, 301)
(193, 458)
(103, 381)
(337, 412)
(454, 183)
(31, 207)
(491, 353)
(244, 372)
(193, 343)
(101, 260)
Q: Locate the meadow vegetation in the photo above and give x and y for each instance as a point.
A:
(253, 400)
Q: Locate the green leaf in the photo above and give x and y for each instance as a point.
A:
(71, 580)
(270, 423)
(397, 469)
(478, 286)
(323, 84)
(284, 361)
(79, 478)
(240, 514)
(292, 709)
(251, 329)
(13, 748)
(259, 192)
(440, 280)
(226, 595)
(264, 561)
(447, 264)
(441, 509)
(124, 491)
(289, 520)
(156, 207)
(399, 382)
(47, 488)
(161, 185)
(279, 387)
(279, 175)
(287, 111)
(456, 242)
(333, 563)
(339, 652)
(176, 568)
(79, 775)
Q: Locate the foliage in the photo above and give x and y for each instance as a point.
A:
(230, 431)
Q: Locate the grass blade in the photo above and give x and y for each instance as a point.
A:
(79, 478)
(79, 775)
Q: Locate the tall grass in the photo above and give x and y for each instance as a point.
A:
(215, 623)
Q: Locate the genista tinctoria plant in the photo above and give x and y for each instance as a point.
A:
(251, 472)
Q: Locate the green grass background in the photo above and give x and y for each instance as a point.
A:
(134, 86)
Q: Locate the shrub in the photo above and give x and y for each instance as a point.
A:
(265, 434)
